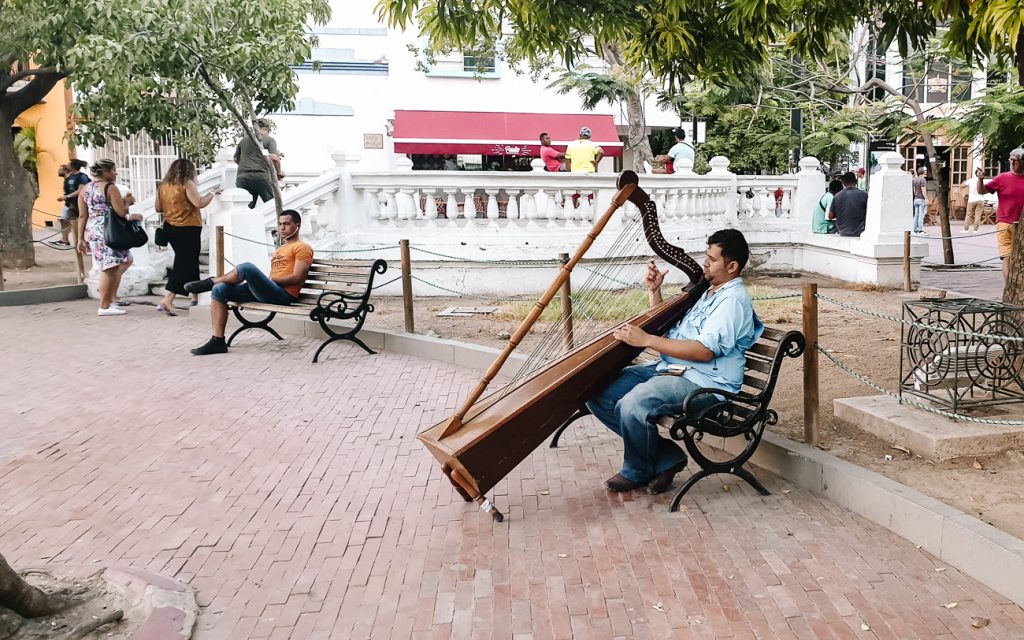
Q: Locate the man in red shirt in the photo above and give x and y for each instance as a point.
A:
(552, 157)
(1009, 186)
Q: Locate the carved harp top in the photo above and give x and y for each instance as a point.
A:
(670, 253)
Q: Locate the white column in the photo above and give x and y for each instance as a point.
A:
(729, 202)
(492, 203)
(350, 211)
(430, 206)
(890, 202)
(248, 240)
(810, 186)
(452, 205)
(512, 209)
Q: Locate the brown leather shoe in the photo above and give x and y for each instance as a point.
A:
(620, 484)
(663, 481)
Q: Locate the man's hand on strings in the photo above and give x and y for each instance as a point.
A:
(632, 335)
(654, 278)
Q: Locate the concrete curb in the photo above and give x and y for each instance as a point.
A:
(62, 293)
(979, 550)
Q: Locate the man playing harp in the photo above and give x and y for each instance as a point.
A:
(704, 349)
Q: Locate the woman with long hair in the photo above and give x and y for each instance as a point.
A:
(99, 199)
(179, 200)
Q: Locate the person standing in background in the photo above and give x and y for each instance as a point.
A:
(975, 201)
(583, 155)
(1009, 186)
(552, 157)
(74, 180)
(253, 170)
(920, 187)
(178, 199)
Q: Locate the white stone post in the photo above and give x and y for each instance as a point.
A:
(810, 186)
(350, 211)
(890, 202)
(248, 239)
(720, 168)
(226, 161)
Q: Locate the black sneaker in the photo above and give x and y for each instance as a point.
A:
(199, 286)
(213, 345)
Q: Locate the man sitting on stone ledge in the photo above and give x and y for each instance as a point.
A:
(705, 349)
(246, 283)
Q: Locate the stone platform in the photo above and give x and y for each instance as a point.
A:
(926, 434)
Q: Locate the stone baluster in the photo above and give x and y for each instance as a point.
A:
(492, 203)
(531, 203)
(392, 204)
(469, 204)
(787, 202)
(767, 202)
(661, 202)
(568, 210)
(553, 209)
(429, 204)
(586, 210)
(672, 207)
(406, 207)
(451, 207)
(512, 208)
(543, 200)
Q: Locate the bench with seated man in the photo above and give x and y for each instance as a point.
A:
(246, 283)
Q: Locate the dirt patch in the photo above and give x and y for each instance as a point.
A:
(55, 265)
(994, 492)
(96, 600)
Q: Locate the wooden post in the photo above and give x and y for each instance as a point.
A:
(907, 284)
(410, 322)
(810, 315)
(219, 239)
(566, 294)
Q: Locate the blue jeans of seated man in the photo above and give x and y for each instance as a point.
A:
(255, 286)
(920, 207)
(631, 406)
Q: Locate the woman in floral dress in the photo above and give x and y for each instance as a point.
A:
(98, 200)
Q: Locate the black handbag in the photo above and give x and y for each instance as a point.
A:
(160, 235)
(122, 233)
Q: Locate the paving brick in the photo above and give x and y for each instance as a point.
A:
(296, 501)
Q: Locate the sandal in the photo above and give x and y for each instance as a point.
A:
(162, 309)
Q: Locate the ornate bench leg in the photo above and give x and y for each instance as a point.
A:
(581, 412)
(249, 324)
(692, 480)
(740, 472)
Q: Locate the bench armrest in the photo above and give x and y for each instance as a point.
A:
(342, 306)
(718, 417)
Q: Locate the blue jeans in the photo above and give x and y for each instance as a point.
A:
(631, 406)
(255, 286)
(920, 206)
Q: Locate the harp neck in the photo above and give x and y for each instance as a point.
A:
(667, 251)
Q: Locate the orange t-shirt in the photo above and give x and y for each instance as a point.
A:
(283, 262)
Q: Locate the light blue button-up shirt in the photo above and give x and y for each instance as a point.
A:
(726, 324)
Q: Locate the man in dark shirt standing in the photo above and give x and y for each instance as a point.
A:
(850, 207)
(253, 170)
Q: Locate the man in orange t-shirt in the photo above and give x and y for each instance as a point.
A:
(246, 283)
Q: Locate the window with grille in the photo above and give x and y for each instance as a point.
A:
(958, 158)
(475, 62)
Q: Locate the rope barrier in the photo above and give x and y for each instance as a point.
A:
(479, 261)
(378, 286)
(918, 405)
(973, 235)
(926, 327)
(782, 297)
(462, 294)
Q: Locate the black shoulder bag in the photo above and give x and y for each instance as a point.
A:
(122, 233)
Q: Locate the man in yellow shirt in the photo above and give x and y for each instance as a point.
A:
(246, 283)
(583, 155)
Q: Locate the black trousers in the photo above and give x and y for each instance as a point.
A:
(258, 186)
(186, 244)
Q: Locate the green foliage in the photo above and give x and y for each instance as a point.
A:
(25, 149)
(754, 141)
(594, 88)
(998, 117)
(162, 66)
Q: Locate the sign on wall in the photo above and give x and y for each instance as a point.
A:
(373, 140)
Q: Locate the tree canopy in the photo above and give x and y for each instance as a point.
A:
(200, 69)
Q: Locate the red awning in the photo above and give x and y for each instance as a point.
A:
(498, 134)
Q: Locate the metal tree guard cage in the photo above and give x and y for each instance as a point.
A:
(962, 353)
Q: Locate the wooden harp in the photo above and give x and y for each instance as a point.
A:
(489, 436)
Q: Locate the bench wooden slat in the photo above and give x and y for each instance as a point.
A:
(296, 308)
(757, 383)
(773, 334)
(337, 271)
(763, 349)
(763, 366)
(360, 264)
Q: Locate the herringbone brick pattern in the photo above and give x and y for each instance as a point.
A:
(294, 498)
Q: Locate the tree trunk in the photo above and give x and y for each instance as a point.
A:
(637, 139)
(24, 599)
(16, 200)
(1013, 290)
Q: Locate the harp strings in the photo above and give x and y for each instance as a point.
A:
(599, 302)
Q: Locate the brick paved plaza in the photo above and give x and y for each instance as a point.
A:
(295, 500)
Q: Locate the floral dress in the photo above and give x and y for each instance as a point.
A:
(103, 257)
